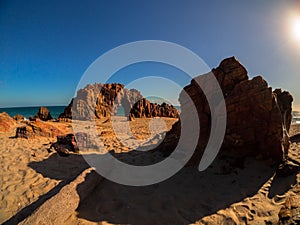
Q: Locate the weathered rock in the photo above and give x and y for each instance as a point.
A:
(66, 115)
(19, 117)
(6, 122)
(145, 109)
(258, 119)
(43, 114)
(290, 211)
(73, 143)
(99, 101)
(37, 128)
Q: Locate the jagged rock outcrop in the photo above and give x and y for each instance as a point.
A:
(38, 128)
(19, 117)
(6, 122)
(73, 143)
(99, 101)
(65, 144)
(258, 119)
(144, 108)
(42, 114)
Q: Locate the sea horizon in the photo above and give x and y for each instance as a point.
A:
(55, 111)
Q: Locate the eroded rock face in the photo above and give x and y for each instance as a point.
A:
(258, 120)
(100, 101)
(37, 128)
(19, 117)
(6, 122)
(145, 109)
(42, 114)
(73, 143)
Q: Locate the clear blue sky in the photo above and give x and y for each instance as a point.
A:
(45, 46)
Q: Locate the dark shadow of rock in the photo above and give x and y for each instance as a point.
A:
(281, 185)
(183, 199)
(54, 167)
(295, 138)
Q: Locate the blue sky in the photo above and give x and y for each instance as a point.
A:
(46, 46)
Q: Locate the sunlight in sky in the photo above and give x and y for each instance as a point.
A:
(46, 47)
(296, 28)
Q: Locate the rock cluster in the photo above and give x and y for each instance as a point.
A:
(42, 114)
(37, 128)
(258, 119)
(145, 109)
(72, 143)
(6, 122)
(289, 213)
(19, 117)
(99, 101)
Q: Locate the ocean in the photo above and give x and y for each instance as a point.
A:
(296, 117)
(31, 111)
(56, 110)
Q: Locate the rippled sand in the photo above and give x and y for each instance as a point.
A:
(26, 174)
(249, 195)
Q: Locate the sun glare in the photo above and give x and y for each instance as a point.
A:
(296, 28)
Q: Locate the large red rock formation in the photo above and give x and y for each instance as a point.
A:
(6, 122)
(144, 108)
(258, 120)
(100, 100)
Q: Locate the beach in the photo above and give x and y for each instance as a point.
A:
(250, 195)
(30, 171)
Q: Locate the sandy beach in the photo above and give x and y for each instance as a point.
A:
(222, 194)
(29, 171)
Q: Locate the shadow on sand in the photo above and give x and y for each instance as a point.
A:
(183, 199)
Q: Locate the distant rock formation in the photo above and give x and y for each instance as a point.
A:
(38, 128)
(144, 108)
(42, 114)
(258, 120)
(6, 122)
(99, 101)
(19, 117)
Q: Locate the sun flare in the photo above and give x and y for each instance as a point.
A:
(296, 28)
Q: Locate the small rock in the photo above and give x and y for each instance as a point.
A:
(19, 117)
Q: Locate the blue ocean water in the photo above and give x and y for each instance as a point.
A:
(31, 111)
(54, 110)
(296, 117)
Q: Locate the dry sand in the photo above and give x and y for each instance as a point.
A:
(219, 195)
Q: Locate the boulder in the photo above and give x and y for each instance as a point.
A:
(43, 114)
(258, 120)
(289, 212)
(73, 143)
(6, 122)
(19, 117)
(37, 128)
(100, 101)
(145, 109)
